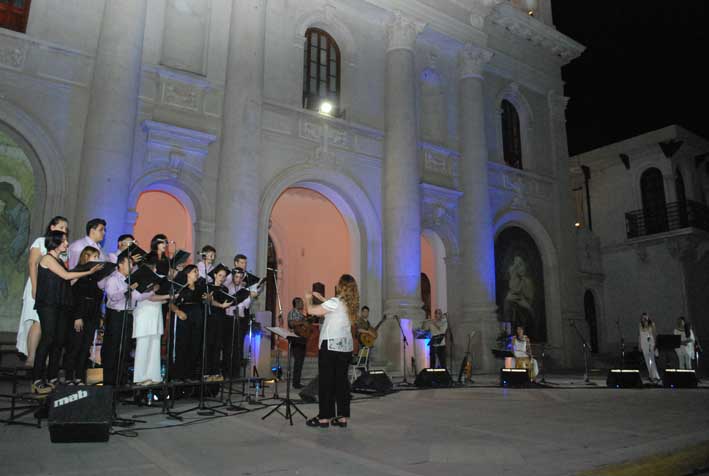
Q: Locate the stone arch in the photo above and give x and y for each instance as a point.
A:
(512, 94)
(356, 208)
(187, 189)
(440, 250)
(47, 163)
(545, 245)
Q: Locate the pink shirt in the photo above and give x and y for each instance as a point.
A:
(116, 287)
(78, 246)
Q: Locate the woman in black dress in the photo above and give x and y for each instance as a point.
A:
(52, 303)
(187, 330)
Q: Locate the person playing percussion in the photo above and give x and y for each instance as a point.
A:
(522, 349)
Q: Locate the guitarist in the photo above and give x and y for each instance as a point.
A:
(297, 323)
(438, 327)
(362, 325)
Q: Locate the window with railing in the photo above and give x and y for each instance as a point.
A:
(321, 70)
(670, 217)
(14, 14)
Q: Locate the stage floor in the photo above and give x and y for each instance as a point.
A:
(564, 429)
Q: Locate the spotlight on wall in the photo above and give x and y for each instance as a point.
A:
(325, 107)
(530, 13)
(577, 225)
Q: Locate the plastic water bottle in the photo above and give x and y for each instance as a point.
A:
(162, 372)
(150, 397)
(258, 389)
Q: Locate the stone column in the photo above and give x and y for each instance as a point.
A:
(238, 185)
(477, 240)
(401, 201)
(104, 181)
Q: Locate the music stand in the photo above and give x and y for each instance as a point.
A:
(288, 415)
(584, 346)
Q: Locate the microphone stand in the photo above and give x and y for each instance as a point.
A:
(278, 347)
(584, 345)
(622, 347)
(405, 381)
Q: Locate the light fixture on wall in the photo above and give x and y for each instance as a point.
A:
(326, 107)
(577, 224)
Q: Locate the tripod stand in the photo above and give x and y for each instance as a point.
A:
(288, 415)
(584, 346)
(405, 381)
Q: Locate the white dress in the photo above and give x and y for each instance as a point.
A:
(147, 329)
(28, 316)
(647, 345)
(520, 352)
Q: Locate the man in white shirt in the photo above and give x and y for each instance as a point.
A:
(204, 267)
(95, 232)
(124, 241)
(240, 311)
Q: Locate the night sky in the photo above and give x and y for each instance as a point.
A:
(641, 71)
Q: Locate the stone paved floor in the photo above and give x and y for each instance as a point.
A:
(484, 430)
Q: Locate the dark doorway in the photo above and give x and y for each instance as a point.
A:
(589, 308)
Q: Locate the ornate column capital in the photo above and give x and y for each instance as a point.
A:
(402, 32)
(472, 60)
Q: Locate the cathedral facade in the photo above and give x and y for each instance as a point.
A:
(435, 118)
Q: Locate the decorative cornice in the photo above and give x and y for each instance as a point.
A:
(480, 10)
(402, 32)
(167, 135)
(472, 60)
(536, 32)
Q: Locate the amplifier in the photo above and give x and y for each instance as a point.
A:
(433, 378)
(679, 378)
(80, 414)
(625, 378)
(514, 377)
(373, 381)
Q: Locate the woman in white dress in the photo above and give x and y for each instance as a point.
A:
(29, 331)
(147, 329)
(685, 352)
(646, 340)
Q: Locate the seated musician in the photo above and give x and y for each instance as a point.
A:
(522, 349)
(362, 324)
(297, 323)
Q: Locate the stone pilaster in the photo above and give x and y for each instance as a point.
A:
(238, 185)
(477, 240)
(104, 181)
(401, 194)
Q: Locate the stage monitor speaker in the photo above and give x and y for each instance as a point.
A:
(309, 393)
(80, 414)
(433, 378)
(679, 378)
(626, 378)
(374, 382)
(514, 377)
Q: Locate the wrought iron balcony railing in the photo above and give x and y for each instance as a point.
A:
(673, 216)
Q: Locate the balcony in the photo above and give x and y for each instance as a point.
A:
(673, 216)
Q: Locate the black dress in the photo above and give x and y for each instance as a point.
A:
(87, 307)
(187, 334)
(52, 303)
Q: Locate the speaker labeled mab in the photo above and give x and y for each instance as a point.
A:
(625, 378)
(433, 378)
(373, 381)
(679, 378)
(514, 377)
(80, 414)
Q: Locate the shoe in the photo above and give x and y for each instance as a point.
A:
(339, 422)
(41, 388)
(217, 378)
(297, 386)
(316, 423)
(145, 383)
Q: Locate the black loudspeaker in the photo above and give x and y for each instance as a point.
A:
(309, 393)
(679, 378)
(627, 378)
(514, 378)
(433, 378)
(374, 381)
(80, 414)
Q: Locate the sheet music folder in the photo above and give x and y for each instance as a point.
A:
(107, 269)
(180, 257)
(131, 251)
(145, 277)
(281, 332)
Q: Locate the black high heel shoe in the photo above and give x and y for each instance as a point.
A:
(316, 423)
(338, 422)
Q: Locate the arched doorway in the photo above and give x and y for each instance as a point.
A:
(162, 212)
(519, 278)
(313, 244)
(589, 308)
(18, 197)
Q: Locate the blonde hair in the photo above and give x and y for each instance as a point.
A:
(86, 254)
(348, 292)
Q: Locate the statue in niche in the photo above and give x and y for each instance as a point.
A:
(14, 232)
(517, 306)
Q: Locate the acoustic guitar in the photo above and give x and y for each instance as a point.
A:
(304, 328)
(368, 340)
(466, 366)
